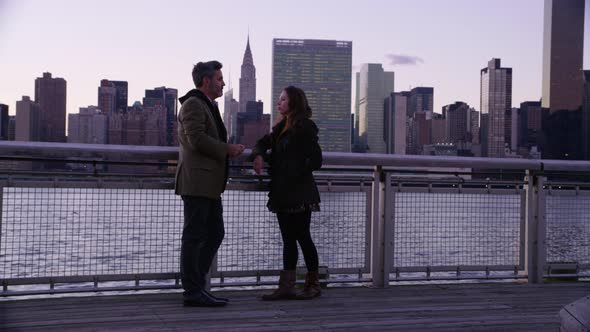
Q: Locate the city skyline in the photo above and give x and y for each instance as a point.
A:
(447, 53)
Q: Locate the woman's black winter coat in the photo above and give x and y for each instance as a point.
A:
(294, 156)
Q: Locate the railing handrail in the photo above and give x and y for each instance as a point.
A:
(69, 150)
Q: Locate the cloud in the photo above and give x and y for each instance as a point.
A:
(402, 60)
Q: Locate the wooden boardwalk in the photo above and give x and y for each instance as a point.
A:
(463, 307)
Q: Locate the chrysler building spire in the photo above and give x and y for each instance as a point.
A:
(248, 78)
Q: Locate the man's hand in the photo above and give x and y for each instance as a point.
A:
(234, 150)
(258, 164)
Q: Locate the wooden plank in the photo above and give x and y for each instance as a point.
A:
(492, 307)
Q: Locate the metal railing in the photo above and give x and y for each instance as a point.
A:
(445, 227)
(384, 218)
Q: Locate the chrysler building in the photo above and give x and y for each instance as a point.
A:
(247, 79)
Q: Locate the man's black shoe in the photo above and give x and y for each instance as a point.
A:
(201, 299)
(216, 297)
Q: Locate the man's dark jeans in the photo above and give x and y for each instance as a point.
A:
(202, 234)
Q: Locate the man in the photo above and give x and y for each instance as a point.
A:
(201, 176)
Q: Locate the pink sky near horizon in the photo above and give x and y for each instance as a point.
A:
(150, 44)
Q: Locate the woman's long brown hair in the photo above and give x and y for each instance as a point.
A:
(298, 108)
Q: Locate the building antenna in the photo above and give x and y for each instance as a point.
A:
(229, 78)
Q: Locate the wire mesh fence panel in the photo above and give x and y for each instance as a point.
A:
(568, 228)
(341, 230)
(452, 229)
(253, 240)
(86, 231)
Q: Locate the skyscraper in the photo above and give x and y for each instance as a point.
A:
(420, 113)
(252, 124)
(107, 97)
(322, 68)
(121, 101)
(28, 124)
(50, 94)
(456, 122)
(395, 123)
(166, 97)
(511, 129)
(437, 129)
(355, 138)
(420, 131)
(112, 96)
(586, 116)
(374, 86)
(529, 124)
(28, 118)
(117, 126)
(11, 127)
(247, 79)
(563, 79)
(88, 126)
(421, 99)
(4, 119)
(154, 126)
(563, 50)
(474, 125)
(496, 100)
(231, 107)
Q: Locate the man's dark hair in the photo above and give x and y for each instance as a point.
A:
(205, 69)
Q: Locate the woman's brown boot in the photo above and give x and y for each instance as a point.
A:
(312, 287)
(286, 288)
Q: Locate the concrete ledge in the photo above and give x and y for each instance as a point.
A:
(576, 316)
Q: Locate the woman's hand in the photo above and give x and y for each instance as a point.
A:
(258, 164)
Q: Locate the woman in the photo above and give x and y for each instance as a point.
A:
(295, 154)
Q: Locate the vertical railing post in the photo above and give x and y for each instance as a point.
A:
(380, 276)
(541, 227)
(535, 248)
(1, 207)
(212, 270)
(388, 211)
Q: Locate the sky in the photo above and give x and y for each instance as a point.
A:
(438, 43)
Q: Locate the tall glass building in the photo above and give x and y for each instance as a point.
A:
(496, 99)
(563, 80)
(323, 69)
(375, 85)
(563, 53)
(421, 99)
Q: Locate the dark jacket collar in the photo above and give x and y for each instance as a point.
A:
(196, 93)
(213, 108)
(279, 126)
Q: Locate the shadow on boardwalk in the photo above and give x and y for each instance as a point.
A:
(465, 307)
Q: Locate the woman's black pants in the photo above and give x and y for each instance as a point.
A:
(295, 229)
